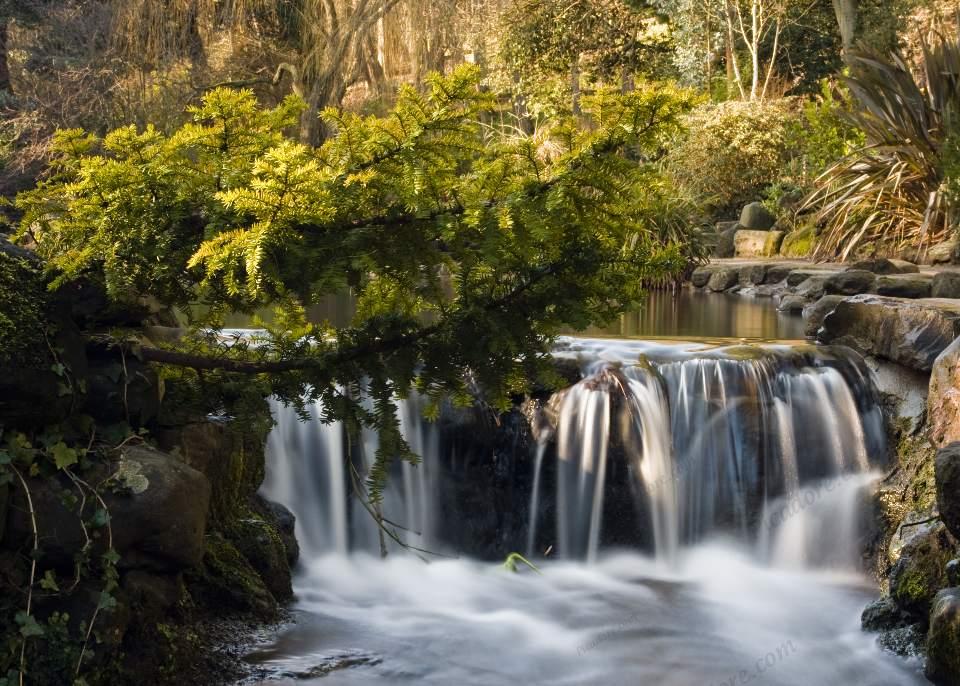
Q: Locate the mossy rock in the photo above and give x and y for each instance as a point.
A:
(229, 582)
(943, 640)
(921, 570)
(259, 542)
(800, 243)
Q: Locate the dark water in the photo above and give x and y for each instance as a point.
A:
(686, 314)
(698, 314)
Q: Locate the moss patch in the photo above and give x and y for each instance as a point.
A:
(800, 243)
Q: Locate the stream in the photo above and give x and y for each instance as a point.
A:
(695, 509)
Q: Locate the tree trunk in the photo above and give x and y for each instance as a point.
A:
(5, 85)
(575, 86)
(846, 11)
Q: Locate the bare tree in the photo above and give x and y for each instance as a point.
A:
(750, 25)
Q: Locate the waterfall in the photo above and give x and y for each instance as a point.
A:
(660, 446)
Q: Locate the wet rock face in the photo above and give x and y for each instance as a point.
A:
(943, 639)
(883, 615)
(947, 474)
(921, 571)
(943, 399)
(814, 313)
(722, 279)
(910, 332)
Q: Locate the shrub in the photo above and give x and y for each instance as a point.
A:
(732, 151)
(894, 191)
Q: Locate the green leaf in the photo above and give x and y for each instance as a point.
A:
(107, 602)
(49, 581)
(63, 456)
(100, 518)
(28, 625)
(111, 557)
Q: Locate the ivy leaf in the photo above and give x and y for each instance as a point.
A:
(107, 601)
(63, 456)
(49, 581)
(111, 557)
(28, 625)
(100, 519)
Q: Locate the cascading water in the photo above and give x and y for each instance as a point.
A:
(741, 469)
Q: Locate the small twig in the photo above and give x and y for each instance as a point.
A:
(33, 564)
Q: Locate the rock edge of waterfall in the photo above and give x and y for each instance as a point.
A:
(905, 321)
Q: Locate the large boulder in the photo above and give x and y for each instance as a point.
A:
(723, 279)
(751, 243)
(909, 332)
(911, 286)
(943, 398)
(946, 284)
(799, 243)
(921, 570)
(850, 282)
(158, 507)
(756, 216)
(947, 475)
(793, 304)
(814, 313)
(943, 639)
(882, 265)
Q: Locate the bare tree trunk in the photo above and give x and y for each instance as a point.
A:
(5, 85)
(846, 11)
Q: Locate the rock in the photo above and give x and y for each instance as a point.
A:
(756, 216)
(777, 273)
(229, 580)
(943, 639)
(903, 285)
(945, 285)
(947, 475)
(943, 398)
(850, 282)
(725, 245)
(797, 276)
(723, 279)
(953, 572)
(285, 524)
(814, 287)
(910, 332)
(792, 303)
(813, 313)
(755, 274)
(159, 518)
(259, 542)
(701, 275)
(800, 243)
(943, 253)
(882, 615)
(905, 391)
(751, 243)
(726, 226)
(882, 265)
(921, 571)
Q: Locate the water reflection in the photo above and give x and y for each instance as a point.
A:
(690, 313)
(686, 314)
